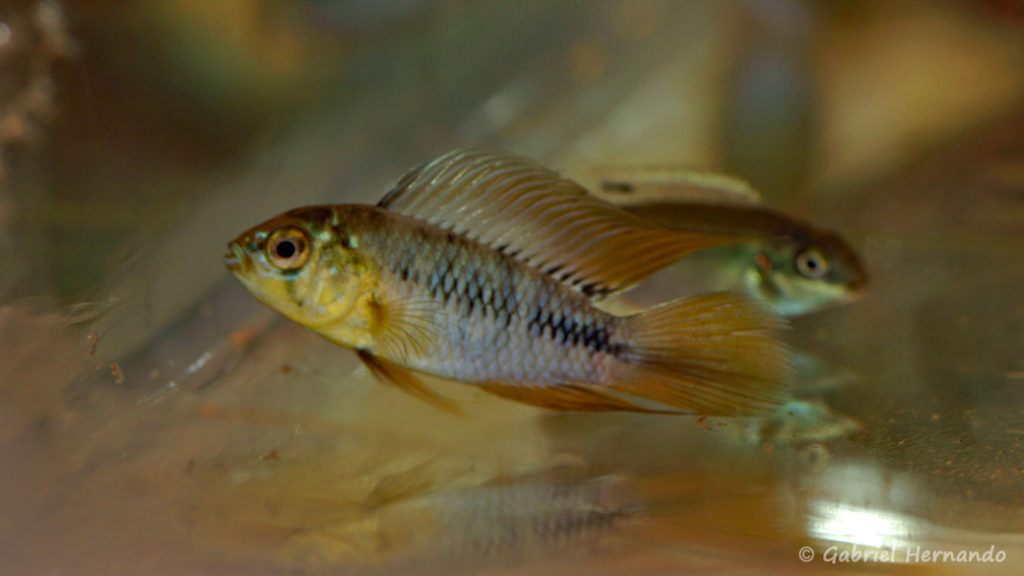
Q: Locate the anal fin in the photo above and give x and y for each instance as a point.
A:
(566, 397)
(406, 381)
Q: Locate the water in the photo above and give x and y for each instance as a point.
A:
(155, 419)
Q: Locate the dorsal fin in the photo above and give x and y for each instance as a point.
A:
(531, 213)
(650, 184)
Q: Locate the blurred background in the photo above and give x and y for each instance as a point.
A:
(155, 419)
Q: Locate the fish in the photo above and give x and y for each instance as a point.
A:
(798, 269)
(486, 268)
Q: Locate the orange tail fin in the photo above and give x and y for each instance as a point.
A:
(715, 354)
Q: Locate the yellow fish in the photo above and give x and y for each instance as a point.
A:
(483, 268)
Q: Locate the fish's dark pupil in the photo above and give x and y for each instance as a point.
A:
(285, 249)
(812, 264)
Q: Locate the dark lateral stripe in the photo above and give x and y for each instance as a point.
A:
(565, 330)
(467, 292)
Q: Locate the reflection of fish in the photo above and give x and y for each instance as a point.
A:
(799, 269)
(799, 421)
(482, 268)
(512, 519)
(410, 520)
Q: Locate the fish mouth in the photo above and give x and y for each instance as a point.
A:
(856, 289)
(852, 295)
(235, 260)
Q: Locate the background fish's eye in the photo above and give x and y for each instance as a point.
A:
(287, 248)
(812, 264)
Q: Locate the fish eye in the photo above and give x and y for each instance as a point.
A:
(287, 248)
(812, 264)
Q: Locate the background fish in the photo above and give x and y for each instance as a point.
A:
(799, 268)
(482, 268)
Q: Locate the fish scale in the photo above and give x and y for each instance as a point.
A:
(531, 321)
(482, 268)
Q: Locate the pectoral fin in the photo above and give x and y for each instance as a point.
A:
(402, 329)
(406, 381)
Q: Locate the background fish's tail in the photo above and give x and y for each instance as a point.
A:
(714, 354)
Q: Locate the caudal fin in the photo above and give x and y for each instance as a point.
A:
(715, 354)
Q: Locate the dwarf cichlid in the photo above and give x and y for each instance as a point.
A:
(797, 269)
(483, 268)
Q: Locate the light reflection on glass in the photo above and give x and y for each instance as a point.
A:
(844, 523)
